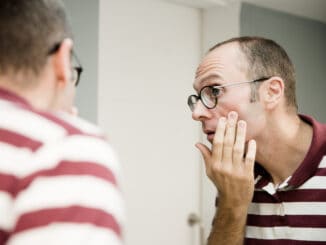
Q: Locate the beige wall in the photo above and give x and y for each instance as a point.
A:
(148, 53)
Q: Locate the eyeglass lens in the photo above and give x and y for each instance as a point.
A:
(192, 100)
(74, 77)
(209, 96)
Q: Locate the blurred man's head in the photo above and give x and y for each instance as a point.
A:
(35, 48)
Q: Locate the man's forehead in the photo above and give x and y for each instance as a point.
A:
(217, 61)
(208, 63)
(210, 67)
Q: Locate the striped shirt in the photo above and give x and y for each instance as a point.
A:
(58, 179)
(295, 211)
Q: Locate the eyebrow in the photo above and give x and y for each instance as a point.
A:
(207, 77)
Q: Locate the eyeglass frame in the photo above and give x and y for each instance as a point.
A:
(199, 97)
(79, 69)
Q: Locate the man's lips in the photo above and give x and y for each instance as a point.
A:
(210, 134)
(209, 131)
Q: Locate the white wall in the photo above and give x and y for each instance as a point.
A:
(148, 53)
(220, 23)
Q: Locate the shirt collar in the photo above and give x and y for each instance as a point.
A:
(314, 155)
(308, 166)
(13, 97)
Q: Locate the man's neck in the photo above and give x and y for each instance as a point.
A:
(37, 96)
(283, 147)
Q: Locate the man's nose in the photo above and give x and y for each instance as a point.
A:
(200, 112)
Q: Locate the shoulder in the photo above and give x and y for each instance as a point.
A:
(317, 150)
(82, 142)
(59, 169)
(42, 126)
(48, 139)
(319, 128)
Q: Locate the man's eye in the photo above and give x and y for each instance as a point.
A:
(216, 91)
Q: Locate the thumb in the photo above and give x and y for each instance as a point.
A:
(205, 152)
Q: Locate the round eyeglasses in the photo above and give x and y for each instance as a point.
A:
(208, 95)
(76, 71)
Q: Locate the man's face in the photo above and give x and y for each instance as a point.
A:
(223, 66)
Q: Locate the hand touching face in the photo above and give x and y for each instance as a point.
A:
(228, 165)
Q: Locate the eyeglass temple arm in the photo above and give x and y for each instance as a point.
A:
(237, 83)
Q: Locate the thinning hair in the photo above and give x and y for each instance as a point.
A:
(266, 58)
(28, 30)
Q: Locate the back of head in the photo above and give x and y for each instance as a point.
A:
(28, 30)
(266, 58)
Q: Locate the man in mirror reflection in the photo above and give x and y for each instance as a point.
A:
(267, 162)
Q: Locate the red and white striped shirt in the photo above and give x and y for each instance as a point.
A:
(58, 179)
(295, 211)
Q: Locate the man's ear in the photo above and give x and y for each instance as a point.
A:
(273, 92)
(62, 62)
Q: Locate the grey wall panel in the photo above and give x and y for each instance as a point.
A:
(84, 17)
(304, 40)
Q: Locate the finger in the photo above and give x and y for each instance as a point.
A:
(206, 153)
(217, 147)
(229, 137)
(238, 149)
(250, 156)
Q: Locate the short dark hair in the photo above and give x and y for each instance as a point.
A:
(267, 58)
(28, 30)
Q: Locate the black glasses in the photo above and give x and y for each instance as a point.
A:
(208, 95)
(76, 70)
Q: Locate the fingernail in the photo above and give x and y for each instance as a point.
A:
(222, 119)
(252, 142)
(241, 124)
(232, 115)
